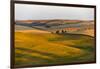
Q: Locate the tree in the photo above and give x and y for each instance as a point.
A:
(63, 31)
(57, 32)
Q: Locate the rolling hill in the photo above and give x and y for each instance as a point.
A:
(71, 26)
(47, 48)
(36, 44)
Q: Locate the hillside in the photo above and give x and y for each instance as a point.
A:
(71, 26)
(46, 48)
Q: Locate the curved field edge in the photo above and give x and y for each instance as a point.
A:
(46, 48)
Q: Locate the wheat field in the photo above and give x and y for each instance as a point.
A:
(47, 48)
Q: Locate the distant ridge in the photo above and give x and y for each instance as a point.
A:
(72, 21)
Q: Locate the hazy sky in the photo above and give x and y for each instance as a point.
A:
(38, 12)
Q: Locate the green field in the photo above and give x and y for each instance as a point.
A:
(45, 49)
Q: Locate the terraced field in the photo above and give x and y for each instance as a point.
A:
(47, 48)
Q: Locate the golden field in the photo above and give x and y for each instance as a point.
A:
(47, 48)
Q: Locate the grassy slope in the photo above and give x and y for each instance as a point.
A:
(39, 49)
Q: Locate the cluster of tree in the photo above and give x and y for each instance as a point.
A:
(63, 31)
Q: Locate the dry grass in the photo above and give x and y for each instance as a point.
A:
(33, 31)
(89, 32)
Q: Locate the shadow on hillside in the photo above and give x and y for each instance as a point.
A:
(36, 60)
(74, 35)
(39, 52)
